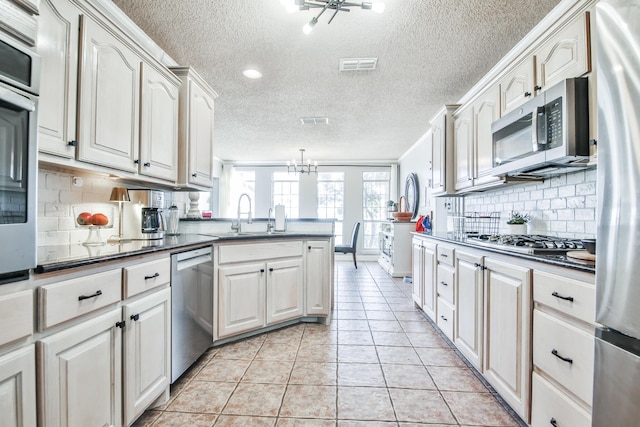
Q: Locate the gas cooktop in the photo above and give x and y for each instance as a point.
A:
(528, 243)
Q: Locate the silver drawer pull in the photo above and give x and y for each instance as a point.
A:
(443, 283)
(444, 318)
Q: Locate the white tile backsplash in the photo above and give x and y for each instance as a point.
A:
(57, 194)
(563, 206)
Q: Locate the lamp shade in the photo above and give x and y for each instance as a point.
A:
(119, 194)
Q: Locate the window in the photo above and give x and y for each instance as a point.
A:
(331, 200)
(242, 182)
(375, 194)
(286, 190)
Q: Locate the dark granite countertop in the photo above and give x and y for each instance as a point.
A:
(559, 260)
(59, 257)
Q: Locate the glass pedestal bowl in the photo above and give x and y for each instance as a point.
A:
(93, 218)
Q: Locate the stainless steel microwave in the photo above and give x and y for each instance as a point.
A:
(546, 136)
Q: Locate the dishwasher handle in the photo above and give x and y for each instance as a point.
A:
(189, 259)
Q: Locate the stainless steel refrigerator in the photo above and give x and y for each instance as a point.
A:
(616, 398)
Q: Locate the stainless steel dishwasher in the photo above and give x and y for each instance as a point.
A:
(191, 308)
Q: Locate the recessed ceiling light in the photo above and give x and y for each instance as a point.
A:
(252, 74)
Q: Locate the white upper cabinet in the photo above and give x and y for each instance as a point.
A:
(463, 147)
(195, 158)
(486, 110)
(442, 175)
(565, 54)
(516, 87)
(158, 123)
(109, 100)
(58, 30)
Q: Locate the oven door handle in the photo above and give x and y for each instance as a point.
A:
(17, 100)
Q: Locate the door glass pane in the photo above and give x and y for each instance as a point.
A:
(14, 134)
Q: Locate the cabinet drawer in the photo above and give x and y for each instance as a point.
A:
(258, 251)
(445, 255)
(17, 316)
(446, 277)
(148, 275)
(550, 336)
(445, 317)
(573, 297)
(548, 402)
(68, 299)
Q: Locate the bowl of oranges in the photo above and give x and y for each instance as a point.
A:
(93, 218)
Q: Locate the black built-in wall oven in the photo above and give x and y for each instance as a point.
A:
(19, 87)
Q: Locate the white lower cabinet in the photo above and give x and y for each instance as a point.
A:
(469, 325)
(251, 296)
(80, 376)
(263, 284)
(147, 352)
(507, 352)
(285, 290)
(563, 343)
(318, 277)
(552, 407)
(18, 388)
(424, 275)
(241, 296)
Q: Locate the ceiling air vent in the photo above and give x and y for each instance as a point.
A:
(314, 120)
(358, 64)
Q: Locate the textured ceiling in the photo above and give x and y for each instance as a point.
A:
(430, 52)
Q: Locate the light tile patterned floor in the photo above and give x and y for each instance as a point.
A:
(380, 363)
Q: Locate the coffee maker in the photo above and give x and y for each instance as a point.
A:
(143, 217)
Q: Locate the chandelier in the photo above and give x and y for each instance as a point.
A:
(302, 168)
(335, 5)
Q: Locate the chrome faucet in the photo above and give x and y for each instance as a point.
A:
(236, 227)
(270, 225)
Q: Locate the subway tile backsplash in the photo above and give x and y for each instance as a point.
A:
(58, 192)
(563, 206)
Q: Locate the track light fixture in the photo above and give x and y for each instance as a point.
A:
(335, 5)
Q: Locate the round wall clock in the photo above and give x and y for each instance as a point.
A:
(411, 193)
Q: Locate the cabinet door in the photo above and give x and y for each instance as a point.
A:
(108, 100)
(241, 298)
(285, 290)
(200, 136)
(486, 110)
(318, 277)
(18, 388)
(439, 155)
(429, 289)
(516, 88)
(58, 31)
(469, 323)
(507, 355)
(80, 382)
(565, 55)
(417, 271)
(158, 124)
(463, 148)
(147, 352)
